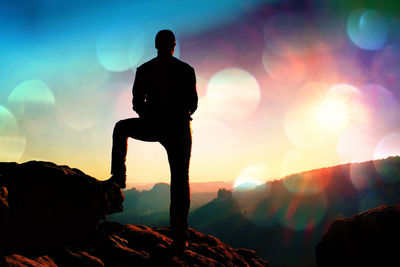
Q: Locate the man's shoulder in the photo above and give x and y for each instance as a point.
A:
(147, 64)
(182, 64)
(177, 63)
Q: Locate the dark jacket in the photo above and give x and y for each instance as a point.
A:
(165, 89)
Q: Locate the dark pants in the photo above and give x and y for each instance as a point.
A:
(177, 140)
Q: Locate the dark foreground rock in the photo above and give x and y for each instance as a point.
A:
(139, 245)
(45, 206)
(371, 238)
(50, 216)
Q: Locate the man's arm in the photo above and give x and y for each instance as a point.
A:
(138, 93)
(193, 98)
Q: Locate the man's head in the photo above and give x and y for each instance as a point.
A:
(165, 41)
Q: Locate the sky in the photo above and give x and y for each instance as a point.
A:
(284, 86)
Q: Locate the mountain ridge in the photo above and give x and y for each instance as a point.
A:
(284, 219)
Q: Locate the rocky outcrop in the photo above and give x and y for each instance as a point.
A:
(50, 216)
(139, 245)
(44, 206)
(224, 194)
(367, 239)
(3, 209)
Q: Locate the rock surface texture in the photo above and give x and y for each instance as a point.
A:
(50, 216)
(371, 238)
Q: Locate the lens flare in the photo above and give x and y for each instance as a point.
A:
(342, 106)
(388, 146)
(369, 201)
(300, 125)
(308, 182)
(12, 143)
(289, 69)
(367, 29)
(356, 144)
(304, 212)
(120, 47)
(319, 114)
(388, 169)
(232, 94)
(84, 108)
(32, 102)
(216, 136)
(287, 35)
(257, 204)
(386, 66)
(123, 100)
(201, 86)
(210, 133)
(382, 105)
(332, 113)
(250, 177)
(298, 160)
(362, 177)
(30, 92)
(138, 156)
(327, 35)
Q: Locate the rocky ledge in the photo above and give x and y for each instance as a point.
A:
(139, 245)
(371, 238)
(45, 206)
(54, 215)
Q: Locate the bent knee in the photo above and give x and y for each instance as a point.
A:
(119, 128)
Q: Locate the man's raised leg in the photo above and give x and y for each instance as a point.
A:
(135, 128)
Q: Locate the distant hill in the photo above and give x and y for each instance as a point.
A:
(151, 207)
(284, 219)
(195, 187)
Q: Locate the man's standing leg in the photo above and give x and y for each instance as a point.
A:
(179, 150)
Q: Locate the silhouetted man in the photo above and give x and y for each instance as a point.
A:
(164, 97)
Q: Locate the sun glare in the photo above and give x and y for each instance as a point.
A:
(250, 177)
(332, 113)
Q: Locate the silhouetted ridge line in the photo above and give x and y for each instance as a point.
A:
(338, 165)
(283, 220)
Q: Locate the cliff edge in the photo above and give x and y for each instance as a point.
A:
(53, 215)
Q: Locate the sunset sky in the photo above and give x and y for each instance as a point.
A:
(284, 86)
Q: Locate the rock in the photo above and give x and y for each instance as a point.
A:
(51, 217)
(370, 238)
(50, 206)
(139, 245)
(78, 258)
(224, 194)
(4, 208)
(21, 261)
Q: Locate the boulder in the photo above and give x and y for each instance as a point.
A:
(370, 238)
(46, 206)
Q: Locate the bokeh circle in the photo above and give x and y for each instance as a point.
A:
(367, 29)
(12, 142)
